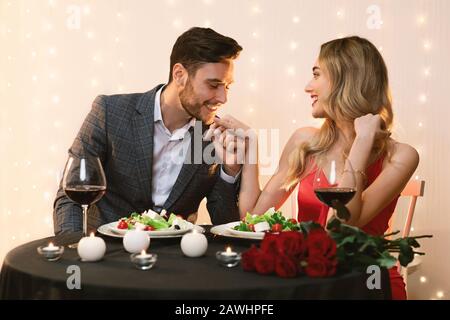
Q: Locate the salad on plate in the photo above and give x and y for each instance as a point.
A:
(271, 221)
(152, 222)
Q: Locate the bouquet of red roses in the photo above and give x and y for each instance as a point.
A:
(318, 252)
(291, 253)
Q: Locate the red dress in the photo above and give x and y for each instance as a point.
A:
(311, 209)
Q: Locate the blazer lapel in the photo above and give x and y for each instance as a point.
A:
(143, 129)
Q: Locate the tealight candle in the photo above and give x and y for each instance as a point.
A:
(228, 252)
(135, 241)
(51, 252)
(144, 260)
(194, 244)
(228, 258)
(91, 248)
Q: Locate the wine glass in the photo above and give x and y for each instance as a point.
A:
(335, 185)
(84, 182)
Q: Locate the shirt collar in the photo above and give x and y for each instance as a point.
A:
(157, 116)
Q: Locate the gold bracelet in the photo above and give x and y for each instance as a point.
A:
(362, 173)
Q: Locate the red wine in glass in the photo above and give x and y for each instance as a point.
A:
(327, 195)
(84, 182)
(85, 195)
(334, 189)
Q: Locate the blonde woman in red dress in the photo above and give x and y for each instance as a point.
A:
(349, 89)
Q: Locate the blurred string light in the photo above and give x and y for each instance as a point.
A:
(177, 23)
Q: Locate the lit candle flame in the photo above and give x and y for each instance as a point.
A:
(92, 235)
(50, 245)
(228, 250)
(143, 252)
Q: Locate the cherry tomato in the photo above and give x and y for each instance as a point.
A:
(277, 227)
(122, 225)
(293, 221)
(149, 228)
(251, 227)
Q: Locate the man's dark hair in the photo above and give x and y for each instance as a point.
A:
(198, 46)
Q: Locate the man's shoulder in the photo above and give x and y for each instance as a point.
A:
(119, 101)
(124, 102)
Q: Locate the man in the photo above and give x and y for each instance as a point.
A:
(140, 139)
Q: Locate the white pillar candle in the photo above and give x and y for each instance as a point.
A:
(91, 248)
(194, 244)
(135, 241)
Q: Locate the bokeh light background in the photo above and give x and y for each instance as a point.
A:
(57, 55)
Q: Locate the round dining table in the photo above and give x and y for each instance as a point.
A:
(27, 275)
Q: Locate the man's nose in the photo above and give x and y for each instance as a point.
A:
(221, 96)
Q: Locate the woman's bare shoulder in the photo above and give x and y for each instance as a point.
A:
(302, 134)
(403, 153)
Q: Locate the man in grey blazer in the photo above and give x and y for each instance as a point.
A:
(140, 139)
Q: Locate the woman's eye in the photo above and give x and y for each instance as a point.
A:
(315, 75)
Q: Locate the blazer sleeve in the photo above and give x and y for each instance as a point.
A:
(91, 139)
(222, 201)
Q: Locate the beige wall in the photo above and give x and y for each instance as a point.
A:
(56, 56)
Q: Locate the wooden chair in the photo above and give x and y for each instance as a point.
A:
(414, 189)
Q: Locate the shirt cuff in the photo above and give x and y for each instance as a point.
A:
(227, 178)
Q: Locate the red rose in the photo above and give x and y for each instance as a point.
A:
(317, 266)
(291, 243)
(319, 243)
(269, 244)
(265, 263)
(320, 266)
(286, 267)
(249, 257)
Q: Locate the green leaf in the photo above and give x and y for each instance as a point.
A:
(386, 260)
(349, 239)
(306, 227)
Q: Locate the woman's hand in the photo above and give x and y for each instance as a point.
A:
(229, 122)
(369, 127)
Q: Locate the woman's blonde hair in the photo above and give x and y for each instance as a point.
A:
(359, 86)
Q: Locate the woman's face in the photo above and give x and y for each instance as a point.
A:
(318, 88)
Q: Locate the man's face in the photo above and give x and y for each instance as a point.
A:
(206, 90)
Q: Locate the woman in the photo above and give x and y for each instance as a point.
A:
(350, 91)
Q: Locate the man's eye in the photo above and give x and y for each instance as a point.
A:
(213, 86)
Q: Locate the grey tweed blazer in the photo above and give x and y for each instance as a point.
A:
(119, 130)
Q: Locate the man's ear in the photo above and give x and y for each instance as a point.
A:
(179, 74)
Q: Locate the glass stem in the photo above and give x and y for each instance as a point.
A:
(85, 223)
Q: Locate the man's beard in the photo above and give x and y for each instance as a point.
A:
(192, 106)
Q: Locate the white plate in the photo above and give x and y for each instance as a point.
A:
(226, 230)
(109, 228)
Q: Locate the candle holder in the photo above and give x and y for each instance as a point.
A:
(144, 261)
(228, 259)
(51, 252)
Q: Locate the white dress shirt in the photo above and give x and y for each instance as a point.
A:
(169, 153)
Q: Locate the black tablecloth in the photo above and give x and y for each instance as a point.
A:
(26, 275)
